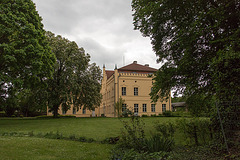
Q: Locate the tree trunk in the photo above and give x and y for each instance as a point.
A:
(55, 111)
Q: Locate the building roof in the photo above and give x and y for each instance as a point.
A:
(109, 73)
(179, 104)
(137, 67)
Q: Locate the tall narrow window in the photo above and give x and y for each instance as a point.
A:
(135, 91)
(124, 107)
(163, 107)
(74, 110)
(135, 108)
(63, 111)
(153, 107)
(123, 91)
(83, 111)
(144, 106)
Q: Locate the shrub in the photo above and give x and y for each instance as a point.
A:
(196, 131)
(82, 139)
(127, 113)
(111, 140)
(72, 137)
(167, 114)
(90, 140)
(133, 143)
(144, 115)
(133, 134)
(153, 115)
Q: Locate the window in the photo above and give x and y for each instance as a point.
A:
(124, 91)
(144, 107)
(135, 91)
(74, 110)
(163, 107)
(153, 107)
(63, 111)
(124, 107)
(135, 108)
(83, 111)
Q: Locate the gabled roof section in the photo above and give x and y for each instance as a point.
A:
(109, 74)
(137, 67)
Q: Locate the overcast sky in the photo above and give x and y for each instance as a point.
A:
(104, 28)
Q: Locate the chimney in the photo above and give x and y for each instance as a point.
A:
(135, 62)
(147, 65)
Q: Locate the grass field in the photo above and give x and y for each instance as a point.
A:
(96, 128)
(12, 147)
(29, 148)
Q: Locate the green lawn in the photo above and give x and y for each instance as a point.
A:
(96, 128)
(12, 147)
(29, 148)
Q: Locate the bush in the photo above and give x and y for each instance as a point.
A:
(158, 143)
(82, 139)
(196, 131)
(111, 140)
(133, 143)
(127, 113)
(153, 115)
(167, 114)
(144, 115)
(133, 135)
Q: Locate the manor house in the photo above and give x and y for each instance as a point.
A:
(132, 83)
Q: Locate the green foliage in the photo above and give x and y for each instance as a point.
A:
(157, 143)
(167, 114)
(127, 112)
(133, 136)
(25, 57)
(198, 43)
(118, 106)
(134, 144)
(75, 81)
(178, 99)
(200, 105)
(196, 131)
(163, 139)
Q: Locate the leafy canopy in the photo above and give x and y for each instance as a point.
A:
(25, 56)
(197, 41)
(75, 81)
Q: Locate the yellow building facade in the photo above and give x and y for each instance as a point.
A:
(133, 83)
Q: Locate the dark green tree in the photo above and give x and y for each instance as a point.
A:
(25, 56)
(197, 41)
(75, 81)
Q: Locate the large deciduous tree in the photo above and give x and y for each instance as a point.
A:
(197, 41)
(25, 56)
(75, 81)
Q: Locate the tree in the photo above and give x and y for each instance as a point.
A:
(118, 106)
(32, 102)
(25, 56)
(75, 82)
(198, 43)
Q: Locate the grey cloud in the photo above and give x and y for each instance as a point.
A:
(104, 28)
(100, 54)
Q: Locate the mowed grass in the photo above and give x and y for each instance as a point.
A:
(96, 128)
(29, 148)
(13, 147)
